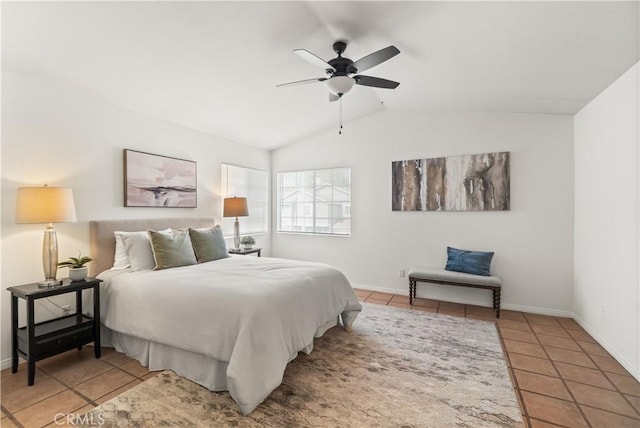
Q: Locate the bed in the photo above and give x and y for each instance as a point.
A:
(230, 325)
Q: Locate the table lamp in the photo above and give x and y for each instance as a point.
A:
(46, 205)
(235, 207)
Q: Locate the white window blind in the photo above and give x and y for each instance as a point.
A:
(317, 201)
(251, 184)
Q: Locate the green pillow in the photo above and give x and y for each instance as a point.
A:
(171, 249)
(208, 244)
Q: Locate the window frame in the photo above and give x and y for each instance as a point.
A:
(314, 202)
(227, 222)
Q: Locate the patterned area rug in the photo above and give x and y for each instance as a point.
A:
(398, 368)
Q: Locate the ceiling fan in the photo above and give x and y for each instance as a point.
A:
(342, 73)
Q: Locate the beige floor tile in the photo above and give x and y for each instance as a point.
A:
(135, 369)
(608, 364)
(635, 401)
(25, 396)
(362, 293)
(522, 336)
(43, 412)
(513, 325)
(512, 315)
(559, 342)
(593, 349)
(535, 423)
(8, 423)
(66, 359)
(421, 301)
(381, 296)
(400, 299)
(550, 330)
(569, 324)
(625, 384)
(80, 372)
(524, 348)
(151, 374)
(482, 317)
(376, 301)
(115, 358)
(399, 305)
(451, 307)
(532, 364)
(568, 356)
(104, 383)
(553, 410)
(542, 320)
(118, 391)
(603, 399)
(541, 384)
(581, 335)
(586, 375)
(600, 418)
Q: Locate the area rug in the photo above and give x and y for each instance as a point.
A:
(398, 368)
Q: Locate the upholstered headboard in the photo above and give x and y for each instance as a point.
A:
(103, 243)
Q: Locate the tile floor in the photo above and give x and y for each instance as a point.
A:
(562, 377)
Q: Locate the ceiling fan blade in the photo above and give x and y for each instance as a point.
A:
(376, 82)
(302, 82)
(375, 58)
(333, 97)
(308, 56)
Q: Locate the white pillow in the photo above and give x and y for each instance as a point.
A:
(120, 259)
(138, 248)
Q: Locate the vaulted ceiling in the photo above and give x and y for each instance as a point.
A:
(214, 66)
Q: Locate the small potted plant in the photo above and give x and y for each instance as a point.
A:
(247, 242)
(77, 268)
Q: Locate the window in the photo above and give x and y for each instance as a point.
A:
(315, 201)
(251, 184)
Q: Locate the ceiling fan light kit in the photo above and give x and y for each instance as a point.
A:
(342, 72)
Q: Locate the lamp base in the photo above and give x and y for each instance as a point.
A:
(49, 283)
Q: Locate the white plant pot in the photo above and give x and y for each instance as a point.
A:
(77, 274)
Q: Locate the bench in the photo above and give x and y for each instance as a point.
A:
(446, 277)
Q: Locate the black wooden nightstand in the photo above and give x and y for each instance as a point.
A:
(34, 341)
(245, 252)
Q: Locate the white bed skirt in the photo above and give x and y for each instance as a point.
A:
(201, 369)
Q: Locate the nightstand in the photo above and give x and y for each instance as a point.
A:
(35, 342)
(245, 252)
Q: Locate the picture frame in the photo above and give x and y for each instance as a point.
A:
(152, 180)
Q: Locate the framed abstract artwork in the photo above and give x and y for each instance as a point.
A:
(479, 182)
(158, 181)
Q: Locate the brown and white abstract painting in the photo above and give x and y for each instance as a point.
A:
(158, 181)
(477, 182)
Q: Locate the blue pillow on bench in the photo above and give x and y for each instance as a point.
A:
(473, 262)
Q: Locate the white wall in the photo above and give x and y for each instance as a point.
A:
(55, 134)
(606, 257)
(533, 242)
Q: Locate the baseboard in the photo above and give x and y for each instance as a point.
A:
(5, 364)
(508, 306)
(634, 371)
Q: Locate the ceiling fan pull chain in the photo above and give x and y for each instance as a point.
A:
(340, 116)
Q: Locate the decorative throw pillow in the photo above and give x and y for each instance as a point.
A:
(171, 249)
(138, 248)
(208, 244)
(120, 258)
(473, 262)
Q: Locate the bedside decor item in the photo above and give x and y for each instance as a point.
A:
(158, 181)
(247, 242)
(479, 182)
(235, 207)
(46, 205)
(77, 268)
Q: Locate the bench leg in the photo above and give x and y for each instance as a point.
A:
(412, 291)
(496, 301)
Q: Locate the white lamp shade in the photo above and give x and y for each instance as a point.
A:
(340, 85)
(235, 207)
(45, 205)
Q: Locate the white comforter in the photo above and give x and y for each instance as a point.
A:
(254, 313)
